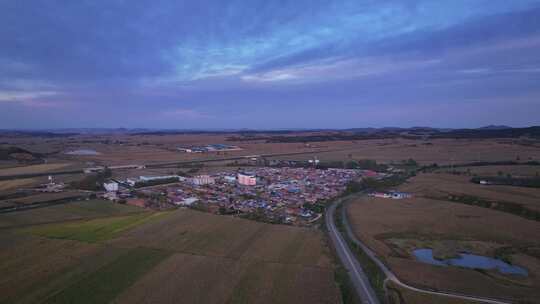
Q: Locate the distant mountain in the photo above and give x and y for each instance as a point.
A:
(33, 133)
(533, 132)
(495, 127)
(490, 131)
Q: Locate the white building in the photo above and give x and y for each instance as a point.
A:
(151, 178)
(203, 180)
(111, 186)
(110, 196)
(247, 179)
(189, 201)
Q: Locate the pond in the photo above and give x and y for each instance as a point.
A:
(83, 152)
(467, 260)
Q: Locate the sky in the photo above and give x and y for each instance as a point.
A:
(261, 64)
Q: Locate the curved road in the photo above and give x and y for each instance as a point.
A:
(359, 279)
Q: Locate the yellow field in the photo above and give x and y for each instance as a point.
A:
(16, 183)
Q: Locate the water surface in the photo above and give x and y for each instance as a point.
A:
(467, 260)
(83, 152)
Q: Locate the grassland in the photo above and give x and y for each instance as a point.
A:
(180, 256)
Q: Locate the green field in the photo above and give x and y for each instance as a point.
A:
(104, 285)
(66, 212)
(96, 230)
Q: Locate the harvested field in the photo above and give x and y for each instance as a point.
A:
(392, 228)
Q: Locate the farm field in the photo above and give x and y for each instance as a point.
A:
(514, 170)
(168, 257)
(33, 169)
(16, 183)
(440, 151)
(151, 149)
(94, 230)
(125, 149)
(449, 228)
(77, 210)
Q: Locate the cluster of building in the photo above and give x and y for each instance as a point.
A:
(391, 195)
(276, 194)
(208, 148)
(50, 187)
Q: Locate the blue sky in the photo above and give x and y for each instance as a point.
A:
(269, 64)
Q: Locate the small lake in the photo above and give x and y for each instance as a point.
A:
(83, 152)
(466, 260)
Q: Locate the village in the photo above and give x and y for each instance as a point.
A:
(277, 195)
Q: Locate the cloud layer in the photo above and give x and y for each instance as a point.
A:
(232, 64)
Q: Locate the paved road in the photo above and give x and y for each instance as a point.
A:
(390, 276)
(358, 277)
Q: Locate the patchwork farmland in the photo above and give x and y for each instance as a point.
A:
(92, 252)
